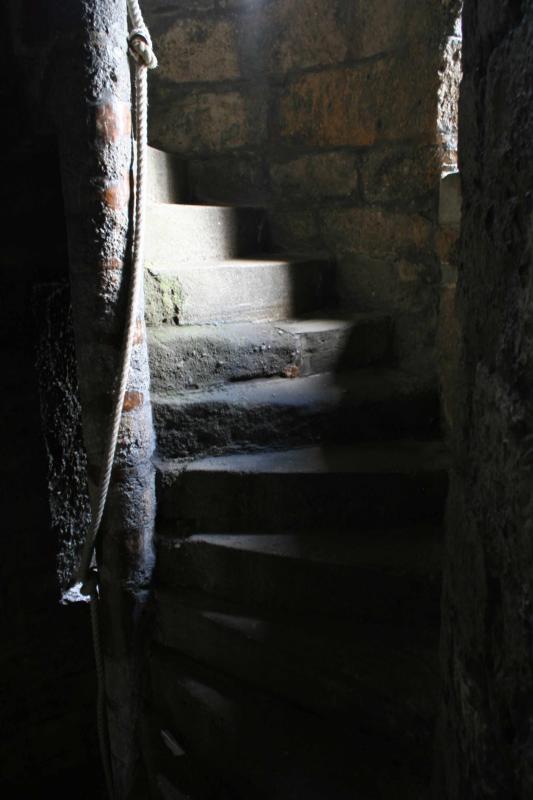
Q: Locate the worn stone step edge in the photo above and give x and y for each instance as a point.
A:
(324, 665)
(373, 485)
(193, 357)
(391, 576)
(369, 403)
(239, 732)
(263, 287)
(177, 233)
(167, 177)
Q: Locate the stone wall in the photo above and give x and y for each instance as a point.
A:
(486, 745)
(332, 114)
(48, 741)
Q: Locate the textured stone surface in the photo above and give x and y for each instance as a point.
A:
(96, 162)
(205, 127)
(379, 27)
(327, 668)
(60, 408)
(48, 730)
(319, 38)
(404, 176)
(239, 731)
(409, 287)
(486, 646)
(361, 105)
(178, 234)
(448, 110)
(376, 232)
(332, 31)
(295, 490)
(392, 576)
(315, 177)
(317, 104)
(167, 179)
(448, 349)
(260, 288)
(190, 357)
(367, 404)
(295, 231)
(222, 179)
(191, 50)
(204, 121)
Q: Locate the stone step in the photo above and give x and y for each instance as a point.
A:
(167, 180)
(264, 287)
(254, 745)
(371, 485)
(385, 678)
(368, 403)
(167, 791)
(389, 576)
(200, 356)
(181, 234)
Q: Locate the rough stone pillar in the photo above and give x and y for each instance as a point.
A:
(486, 734)
(92, 108)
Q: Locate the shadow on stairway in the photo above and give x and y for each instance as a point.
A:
(301, 487)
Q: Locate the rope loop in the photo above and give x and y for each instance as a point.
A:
(140, 47)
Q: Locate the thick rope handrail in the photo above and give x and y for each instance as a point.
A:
(140, 47)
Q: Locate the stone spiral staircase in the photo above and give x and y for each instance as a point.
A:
(301, 485)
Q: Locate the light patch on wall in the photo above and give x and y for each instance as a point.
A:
(450, 76)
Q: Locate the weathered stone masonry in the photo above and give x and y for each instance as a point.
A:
(92, 111)
(48, 731)
(486, 744)
(329, 114)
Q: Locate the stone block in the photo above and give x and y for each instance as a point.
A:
(277, 653)
(366, 404)
(190, 357)
(295, 490)
(192, 234)
(375, 232)
(337, 345)
(366, 282)
(307, 33)
(167, 177)
(394, 577)
(389, 99)
(261, 288)
(229, 179)
(377, 27)
(198, 50)
(239, 728)
(201, 121)
(407, 176)
(408, 290)
(316, 176)
(295, 231)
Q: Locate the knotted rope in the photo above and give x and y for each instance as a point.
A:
(140, 48)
